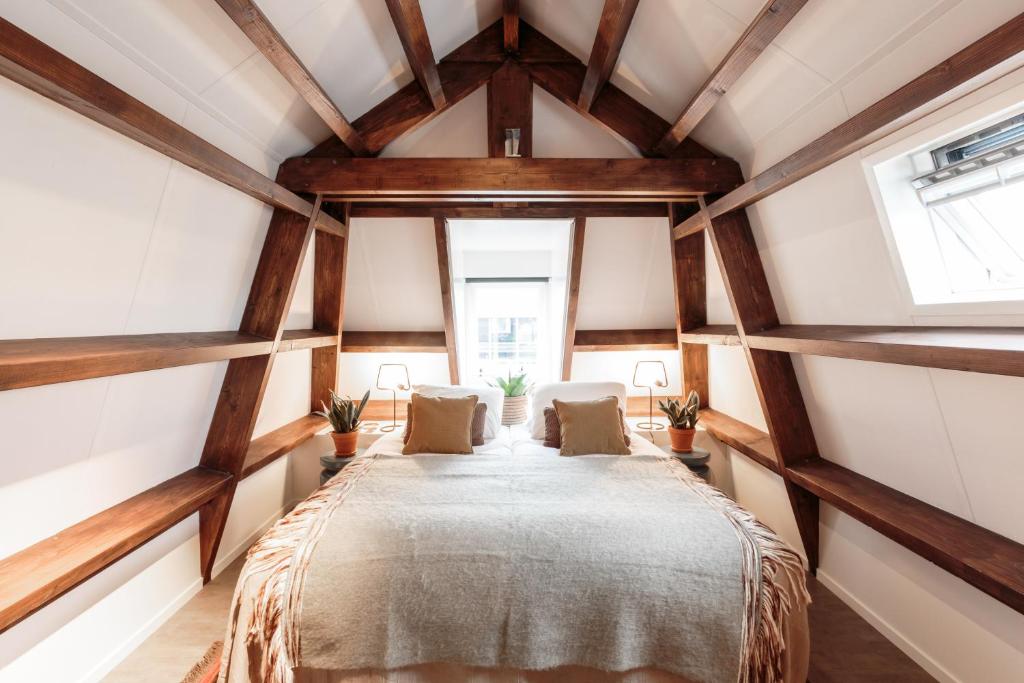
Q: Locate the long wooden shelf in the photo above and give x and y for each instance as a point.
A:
(406, 342)
(718, 335)
(295, 340)
(748, 440)
(42, 572)
(34, 362)
(624, 340)
(996, 350)
(272, 445)
(984, 559)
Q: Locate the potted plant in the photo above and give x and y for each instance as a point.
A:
(515, 388)
(682, 419)
(344, 418)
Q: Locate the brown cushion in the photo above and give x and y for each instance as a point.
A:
(476, 429)
(441, 425)
(591, 427)
(553, 430)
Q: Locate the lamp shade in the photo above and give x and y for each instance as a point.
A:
(393, 377)
(650, 374)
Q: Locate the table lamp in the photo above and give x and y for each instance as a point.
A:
(646, 375)
(393, 377)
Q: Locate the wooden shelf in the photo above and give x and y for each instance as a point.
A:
(380, 342)
(624, 340)
(294, 340)
(272, 445)
(996, 350)
(41, 573)
(719, 335)
(33, 362)
(986, 560)
(748, 440)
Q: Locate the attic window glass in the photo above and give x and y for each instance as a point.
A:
(960, 228)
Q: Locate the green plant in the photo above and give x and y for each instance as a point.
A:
(682, 415)
(344, 412)
(515, 385)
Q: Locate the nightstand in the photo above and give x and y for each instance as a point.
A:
(369, 431)
(697, 461)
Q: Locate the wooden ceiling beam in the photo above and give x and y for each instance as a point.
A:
(510, 26)
(509, 106)
(444, 274)
(559, 73)
(416, 178)
(769, 22)
(690, 294)
(616, 16)
(412, 31)
(248, 17)
(40, 68)
(572, 294)
(521, 210)
(462, 71)
(901, 107)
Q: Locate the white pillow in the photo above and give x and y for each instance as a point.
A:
(492, 396)
(544, 394)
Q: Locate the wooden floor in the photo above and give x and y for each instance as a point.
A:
(844, 647)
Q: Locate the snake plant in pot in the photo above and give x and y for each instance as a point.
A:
(344, 418)
(682, 419)
(515, 388)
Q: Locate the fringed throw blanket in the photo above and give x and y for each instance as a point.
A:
(616, 563)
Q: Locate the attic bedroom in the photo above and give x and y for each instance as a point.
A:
(627, 341)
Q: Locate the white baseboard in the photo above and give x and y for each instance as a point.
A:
(908, 648)
(110, 661)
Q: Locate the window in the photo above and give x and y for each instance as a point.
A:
(956, 212)
(509, 319)
(509, 289)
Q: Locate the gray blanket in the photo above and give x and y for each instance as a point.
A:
(613, 562)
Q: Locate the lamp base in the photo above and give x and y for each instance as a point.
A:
(649, 426)
(389, 428)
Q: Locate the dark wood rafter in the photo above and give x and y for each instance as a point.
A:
(330, 259)
(769, 22)
(516, 179)
(241, 395)
(248, 17)
(774, 378)
(444, 273)
(355, 341)
(572, 294)
(616, 16)
(624, 340)
(40, 68)
(718, 335)
(510, 26)
(462, 71)
(952, 76)
(412, 31)
(41, 573)
(690, 293)
(509, 105)
(521, 210)
(559, 73)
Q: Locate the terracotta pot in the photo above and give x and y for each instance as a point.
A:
(345, 444)
(682, 439)
(513, 411)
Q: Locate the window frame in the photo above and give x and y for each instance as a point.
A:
(989, 104)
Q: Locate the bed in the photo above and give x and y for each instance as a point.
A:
(517, 564)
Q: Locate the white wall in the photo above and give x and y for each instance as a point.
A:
(99, 236)
(948, 438)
